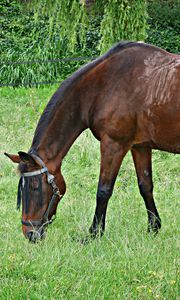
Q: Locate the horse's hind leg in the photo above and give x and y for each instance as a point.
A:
(111, 157)
(143, 165)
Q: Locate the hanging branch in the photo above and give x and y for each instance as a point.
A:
(113, 20)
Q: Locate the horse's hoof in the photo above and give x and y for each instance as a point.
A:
(154, 225)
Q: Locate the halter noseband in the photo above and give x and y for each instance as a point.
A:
(56, 193)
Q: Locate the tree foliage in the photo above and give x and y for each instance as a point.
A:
(123, 20)
(115, 19)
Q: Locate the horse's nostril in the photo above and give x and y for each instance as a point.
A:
(29, 235)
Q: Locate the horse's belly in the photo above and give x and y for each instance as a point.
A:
(167, 140)
(162, 128)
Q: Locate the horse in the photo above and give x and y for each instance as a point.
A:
(130, 100)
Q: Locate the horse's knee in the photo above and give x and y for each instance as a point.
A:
(145, 188)
(104, 193)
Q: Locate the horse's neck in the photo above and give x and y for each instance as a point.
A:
(63, 129)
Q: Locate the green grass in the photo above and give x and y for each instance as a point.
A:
(127, 263)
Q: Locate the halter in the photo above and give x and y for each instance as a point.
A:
(23, 186)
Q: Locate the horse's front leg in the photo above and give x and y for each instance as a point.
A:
(143, 165)
(112, 154)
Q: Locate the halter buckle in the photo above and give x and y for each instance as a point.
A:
(50, 178)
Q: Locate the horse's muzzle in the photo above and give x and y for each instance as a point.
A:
(35, 236)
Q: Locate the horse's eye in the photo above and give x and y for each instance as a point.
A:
(35, 183)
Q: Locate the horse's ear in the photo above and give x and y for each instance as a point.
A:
(27, 158)
(15, 158)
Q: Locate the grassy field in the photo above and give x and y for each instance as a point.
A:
(127, 263)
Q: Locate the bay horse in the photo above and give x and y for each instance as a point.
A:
(130, 100)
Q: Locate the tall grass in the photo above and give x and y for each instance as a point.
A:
(127, 263)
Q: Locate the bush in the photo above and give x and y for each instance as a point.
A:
(164, 24)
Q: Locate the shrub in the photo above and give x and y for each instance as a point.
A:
(164, 24)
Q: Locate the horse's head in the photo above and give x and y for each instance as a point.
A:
(40, 190)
